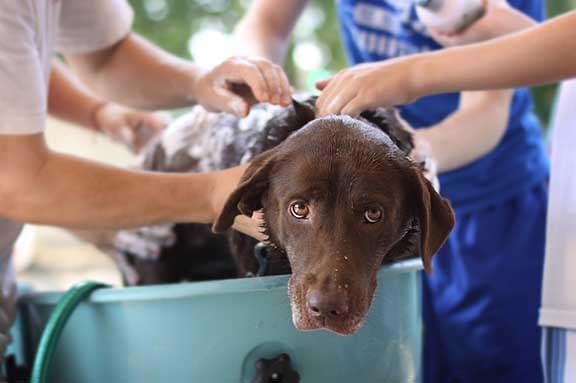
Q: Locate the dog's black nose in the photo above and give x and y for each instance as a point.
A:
(327, 305)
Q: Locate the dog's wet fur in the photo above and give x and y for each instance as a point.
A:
(340, 198)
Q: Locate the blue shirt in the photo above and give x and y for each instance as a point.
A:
(375, 30)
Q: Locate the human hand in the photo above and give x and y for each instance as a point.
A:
(240, 82)
(251, 226)
(133, 128)
(225, 183)
(366, 86)
(499, 18)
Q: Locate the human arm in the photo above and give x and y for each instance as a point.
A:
(538, 55)
(534, 56)
(266, 28)
(499, 19)
(472, 131)
(134, 72)
(43, 187)
(71, 101)
(483, 114)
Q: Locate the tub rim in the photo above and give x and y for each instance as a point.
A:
(196, 289)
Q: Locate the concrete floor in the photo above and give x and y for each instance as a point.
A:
(56, 259)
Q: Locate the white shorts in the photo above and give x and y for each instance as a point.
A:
(559, 355)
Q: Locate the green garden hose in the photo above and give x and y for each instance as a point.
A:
(49, 341)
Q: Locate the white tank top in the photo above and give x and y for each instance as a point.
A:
(559, 291)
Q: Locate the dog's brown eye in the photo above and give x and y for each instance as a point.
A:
(299, 209)
(372, 215)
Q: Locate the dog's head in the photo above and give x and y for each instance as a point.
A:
(340, 198)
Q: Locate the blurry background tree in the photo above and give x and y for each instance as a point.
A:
(200, 29)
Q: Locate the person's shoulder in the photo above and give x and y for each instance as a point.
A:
(89, 26)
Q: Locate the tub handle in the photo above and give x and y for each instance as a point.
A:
(276, 370)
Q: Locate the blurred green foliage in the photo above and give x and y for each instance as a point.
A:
(171, 23)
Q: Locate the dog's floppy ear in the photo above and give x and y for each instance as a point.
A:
(288, 121)
(247, 198)
(389, 121)
(305, 110)
(435, 217)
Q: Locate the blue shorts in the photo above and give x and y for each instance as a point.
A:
(480, 305)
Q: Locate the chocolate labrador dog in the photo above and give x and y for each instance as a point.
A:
(340, 197)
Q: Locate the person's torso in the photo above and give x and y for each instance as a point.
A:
(558, 297)
(376, 30)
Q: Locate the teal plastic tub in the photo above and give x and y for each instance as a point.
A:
(214, 332)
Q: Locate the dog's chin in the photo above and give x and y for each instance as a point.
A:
(305, 322)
